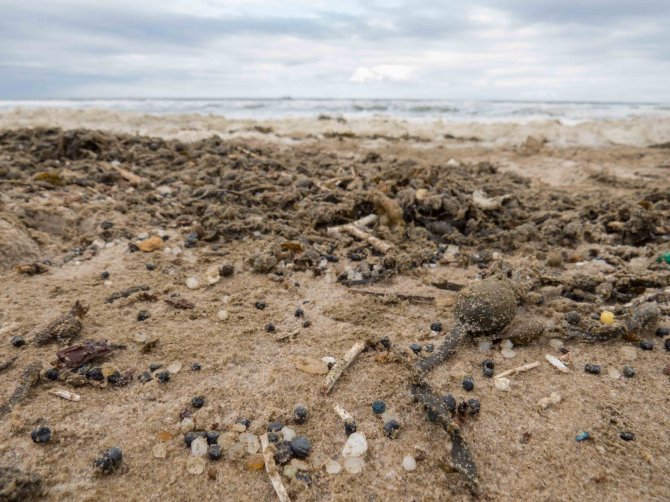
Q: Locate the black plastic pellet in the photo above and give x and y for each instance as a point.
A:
(667, 344)
(386, 343)
(301, 447)
(145, 377)
(449, 402)
(284, 452)
(468, 384)
(378, 407)
(226, 270)
(628, 372)
(429, 347)
(300, 414)
(415, 347)
(196, 367)
(304, 476)
(646, 345)
(41, 435)
(474, 406)
(150, 266)
(462, 408)
(95, 374)
(594, 369)
(662, 331)
(114, 378)
(275, 426)
(273, 437)
(260, 305)
(573, 317)
(18, 341)
(163, 376)
(350, 427)
(627, 436)
(306, 324)
(109, 460)
(198, 402)
(214, 452)
(104, 275)
(51, 374)
(143, 315)
(299, 312)
(269, 327)
(436, 326)
(213, 437)
(391, 428)
(154, 366)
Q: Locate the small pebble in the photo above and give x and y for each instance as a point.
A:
(613, 373)
(18, 341)
(300, 414)
(195, 465)
(95, 374)
(273, 437)
(507, 353)
(51, 374)
(41, 435)
(593, 369)
(163, 376)
(284, 452)
(226, 270)
(436, 326)
(628, 372)
(104, 275)
(192, 283)
(196, 367)
(468, 384)
(109, 460)
(214, 452)
(627, 436)
(353, 465)
(415, 347)
(288, 434)
(462, 408)
(506, 344)
(301, 447)
(350, 427)
(629, 353)
(269, 327)
(356, 445)
(143, 315)
(474, 406)
(333, 467)
(246, 423)
(392, 428)
(484, 345)
(662, 331)
(222, 315)
(159, 450)
(145, 377)
(450, 402)
(487, 368)
(260, 305)
(646, 345)
(250, 442)
(198, 402)
(409, 463)
(556, 344)
(150, 266)
(300, 313)
(199, 446)
(378, 407)
(155, 366)
(307, 324)
(502, 383)
(582, 436)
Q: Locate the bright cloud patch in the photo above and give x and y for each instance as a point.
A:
(397, 73)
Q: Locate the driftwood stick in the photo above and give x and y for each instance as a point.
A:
(356, 229)
(8, 363)
(400, 296)
(271, 468)
(339, 367)
(519, 369)
(28, 379)
(363, 222)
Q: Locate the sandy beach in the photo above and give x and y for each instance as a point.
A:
(209, 216)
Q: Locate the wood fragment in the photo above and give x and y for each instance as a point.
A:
(65, 394)
(399, 296)
(131, 177)
(66, 327)
(342, 413)
(287, 336)
(28, 379)
(356, 229)
(443, 351)
(339, 367)
(125, 293)
(518, 369)
(8, 363)
(271, 468)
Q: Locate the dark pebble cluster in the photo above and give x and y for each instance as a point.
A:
(109, 460)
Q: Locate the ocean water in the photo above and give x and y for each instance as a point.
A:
(448, 110)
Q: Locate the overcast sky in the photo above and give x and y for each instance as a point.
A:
(616, 50)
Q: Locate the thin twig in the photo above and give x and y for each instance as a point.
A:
(8, 363)
(339, 367)
(271, 468)
(519, 369)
